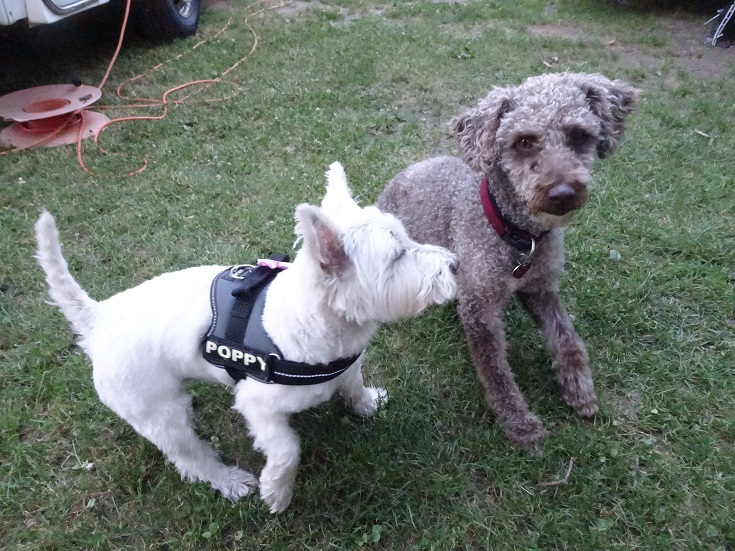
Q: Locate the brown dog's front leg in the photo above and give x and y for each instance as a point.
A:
(485, 333)
(571, 362)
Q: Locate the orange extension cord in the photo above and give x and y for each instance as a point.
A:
(55, 125)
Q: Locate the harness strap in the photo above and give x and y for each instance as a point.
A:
(257, 279)
(285, 372)
(242, 362)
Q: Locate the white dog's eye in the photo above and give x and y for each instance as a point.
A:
(400, 255)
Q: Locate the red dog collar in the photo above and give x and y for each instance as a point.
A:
(516, 237)
(510, 233)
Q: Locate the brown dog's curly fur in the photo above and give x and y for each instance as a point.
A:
(536, 144)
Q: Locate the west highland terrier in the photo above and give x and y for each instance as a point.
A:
(356, 268)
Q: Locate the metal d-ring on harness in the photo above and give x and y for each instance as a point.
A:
(236, 340)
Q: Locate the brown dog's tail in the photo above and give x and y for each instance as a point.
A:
(65, 292)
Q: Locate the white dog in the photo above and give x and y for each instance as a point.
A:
(356, 268)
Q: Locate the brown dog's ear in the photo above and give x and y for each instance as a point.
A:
(612, 101)
(322, 239)
(476, 129)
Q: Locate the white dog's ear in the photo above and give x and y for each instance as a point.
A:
(322, 239)
(338, 200)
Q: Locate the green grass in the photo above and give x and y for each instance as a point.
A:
(373, 85)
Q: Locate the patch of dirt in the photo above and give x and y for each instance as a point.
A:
(219, 5)
(627, 405)
(297, 7)
(685, 47)
(690, 51)
(559, 31)
(350, 16)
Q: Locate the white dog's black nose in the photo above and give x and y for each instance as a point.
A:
(454, 266)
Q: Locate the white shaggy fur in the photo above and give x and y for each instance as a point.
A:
(356, 269)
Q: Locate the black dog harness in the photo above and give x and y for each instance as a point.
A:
(236, 340)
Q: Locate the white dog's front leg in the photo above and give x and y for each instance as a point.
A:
(280, 444)
(361, 399)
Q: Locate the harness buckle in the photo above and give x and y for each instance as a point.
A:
(240, 271)
(263, 373)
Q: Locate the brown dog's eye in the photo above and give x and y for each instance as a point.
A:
(525, 144)
(579, 140)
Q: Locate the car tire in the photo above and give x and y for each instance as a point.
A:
(165, 20)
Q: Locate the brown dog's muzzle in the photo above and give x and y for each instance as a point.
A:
(564, 197)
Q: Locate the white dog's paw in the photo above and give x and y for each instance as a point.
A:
(370, 401)
(235, 483)
(276, 495)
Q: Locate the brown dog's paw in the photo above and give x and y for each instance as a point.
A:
(586, 408)
(577, 387)
(527, 432)
(579, 392)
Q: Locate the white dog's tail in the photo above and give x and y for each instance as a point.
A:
(65, 292)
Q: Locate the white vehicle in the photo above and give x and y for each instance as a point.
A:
(157, 19)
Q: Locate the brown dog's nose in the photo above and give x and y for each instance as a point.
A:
(562, 192)
(454, 266)
(562, 198)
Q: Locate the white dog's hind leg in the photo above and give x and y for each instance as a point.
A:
(163, 415)
(361, 399)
